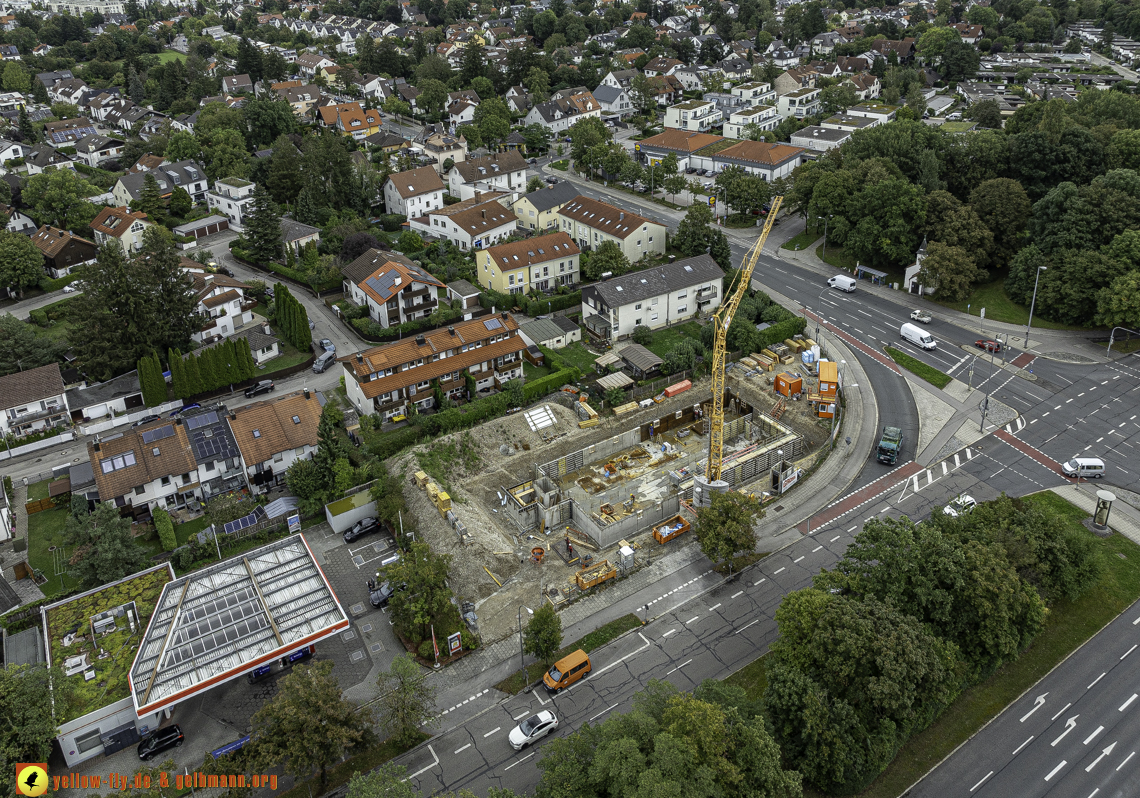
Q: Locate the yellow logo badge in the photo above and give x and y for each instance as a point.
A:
(31, 779)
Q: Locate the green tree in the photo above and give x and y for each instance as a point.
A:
(694, 232)
(949, 270)
(309, 725)
(607, 257)
(951, 222)
(537, 82)
(838, 98)
(32, 700)
(151, 380)
(225, 154)
(165, 528)
(1004, 208)
(182, 146)
(1119, 303)
(103, 548)
(306, 481)
(986, 113)
(266, 120)
(427, 596)
(15, 78)
(59, 198)
(407, 697)
(284, 179)
(21, 262)
(136, 90)
(535, 184)
(24, 125)
(542, 636)
(386, 781)
(725, 526)
(263, 228)
(22, 349)
(181, 203)
(150, 198)
(433, 96)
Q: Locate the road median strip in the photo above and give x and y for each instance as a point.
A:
(919, 369)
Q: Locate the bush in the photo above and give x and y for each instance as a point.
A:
(549, 384)
(293, 275)
(642, 335)
(48, 284)
(391, 222)
(165, 528)
(426, 650)
(38, 317)
(410, 242)
(536, 307)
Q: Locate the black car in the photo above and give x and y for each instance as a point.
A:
(551, 180)
(690, 170)
(381, 594)
(145, 420)
(365, 526)
(265, 386)
(226, 270)
(159, 740)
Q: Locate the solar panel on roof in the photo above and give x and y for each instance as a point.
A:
(492, 324)
(201, 420)
(152, 435)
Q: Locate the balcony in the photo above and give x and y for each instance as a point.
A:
(428, 306)
(706, 293)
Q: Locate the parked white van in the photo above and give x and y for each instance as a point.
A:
(842, 282)
(1087, 467)
(918, 336)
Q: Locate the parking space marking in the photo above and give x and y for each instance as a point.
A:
(488, 734)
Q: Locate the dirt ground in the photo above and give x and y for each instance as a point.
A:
(495, 570)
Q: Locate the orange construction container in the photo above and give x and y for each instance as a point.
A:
(680, 387)
(788, 384)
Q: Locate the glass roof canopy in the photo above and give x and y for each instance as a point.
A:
(220, 622)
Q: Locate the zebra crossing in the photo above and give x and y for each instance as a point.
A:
(924, 479)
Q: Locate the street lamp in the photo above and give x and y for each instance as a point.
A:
(530, 612)
(825, 222)
(1036, 280)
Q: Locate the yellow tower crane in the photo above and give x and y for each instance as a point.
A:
(722, 319)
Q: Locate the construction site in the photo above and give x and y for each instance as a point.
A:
(544, 506)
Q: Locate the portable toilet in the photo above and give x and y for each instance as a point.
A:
(789, 384)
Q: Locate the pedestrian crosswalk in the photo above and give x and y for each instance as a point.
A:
(924, 479)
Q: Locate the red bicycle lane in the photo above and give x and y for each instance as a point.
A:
(857, 499)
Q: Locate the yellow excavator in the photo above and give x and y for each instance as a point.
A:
(711, 482)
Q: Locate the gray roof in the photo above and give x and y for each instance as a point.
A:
(286, 504)
(82, 475)
(197, 224)
(541, 330)
(607, 94)
(658, 280)
(567, 325)
(126, 385)
(95, 142)
(553, 197)
(640, 358)
(462, 288)
(26, 647)
(363, 267)
(256, 338)
(292, 230)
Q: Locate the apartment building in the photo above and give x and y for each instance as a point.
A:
(537, 264)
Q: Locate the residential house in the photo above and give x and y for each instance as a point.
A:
(474, 223)
(222, 304)
(63, 250)
(904, 49)
(94, 150)
(11, 150)
(66, 131)
(800, 103)
(613, 102)
(519, 100)
(741, 122)
(695, 78)
(262, 343)
(769, 161)
(44, 158)
(538, 210)
(442, 146)
(461, 112)
(691, 115)
(877, 111)
(866, 85)
(536, 264)
(564, 109)
(621, 78)
(32, 400)
(553, 333)
(819, 139)
(187, 175)
(735, 68)
(667, 89)
(122, 224)
(755, 93)
(851, 124)
(589, 222)
(272, 435)
(67, 90)
(415, 192)
(970, 33)
(309, 64)
(302, 98)
(233, 198)
(653, 298)
(351, 120)
(236, 84)
(503, 171)
(467, 296)
(18, 221)
(116, 397)
(388, 379)
(392, 287)
(662, 66)
(296, 235)
(796, 78)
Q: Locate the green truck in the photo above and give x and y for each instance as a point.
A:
(890, 445)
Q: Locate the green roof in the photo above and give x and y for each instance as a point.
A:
(236, 182)
(690, 105)
(718, 146)
(958, 127)
(75, 616)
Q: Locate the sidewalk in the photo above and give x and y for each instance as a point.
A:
(26, 589)
(1123, 518)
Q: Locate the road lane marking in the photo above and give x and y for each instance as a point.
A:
(604, 711)
(1129, 651)
(516, 717)
(1053, 772)
(817, 548)
(742, 628)
(836, 538)
(692, 619)
(670, 632)
(797, 559)
(464, 748)
(1125, 762)
(737, 594)
(497, 728)
(852, 528)
(778, 571)
(979, 784)
(683, 664)
(1097, 679)
(754, 584)
(1070, 724)
(424, 770)
(1027, 742)
(520, 761)
(1124, 706)
(714, 606)
(1089, 739)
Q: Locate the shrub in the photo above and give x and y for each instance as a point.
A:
(48, 284)
(549, 384)
(165, 528)
(39, 317)
(642, 335)
(391, 222)
(426, 650)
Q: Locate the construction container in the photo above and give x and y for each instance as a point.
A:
(677, 388)
(421, 479)
(788, 384)
(595, 575)
(675, 526)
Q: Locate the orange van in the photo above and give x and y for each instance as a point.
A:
(567, 670)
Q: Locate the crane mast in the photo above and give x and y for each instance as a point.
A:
(722, 319)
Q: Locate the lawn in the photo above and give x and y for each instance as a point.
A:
(170, 55)
(668, 337)
(561, 166)
(1068, 625)
(290, 356)
(1000, 307)
(533, 372)
(182, 532)
(837, 256)
(577, 355)
(803, 240)
(38, 490)
(920, 369)
(514, 683)
(1124, 347)
(45, 529)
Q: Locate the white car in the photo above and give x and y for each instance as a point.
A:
(963, 505)
(69, 289)
(532, 729)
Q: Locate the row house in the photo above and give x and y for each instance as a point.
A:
(590, 222)
(415, 192)
(483, 353)
(393, 288)
(537, 264)
(32, 400)
(274, 434)
(501, 171)
(538, 210)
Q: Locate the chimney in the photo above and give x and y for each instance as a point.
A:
(484, 212)
(359, 357)
(504, 314)
(451, 330)
(621, 216)
(307, 393)
(265, 328)
(419, 340)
